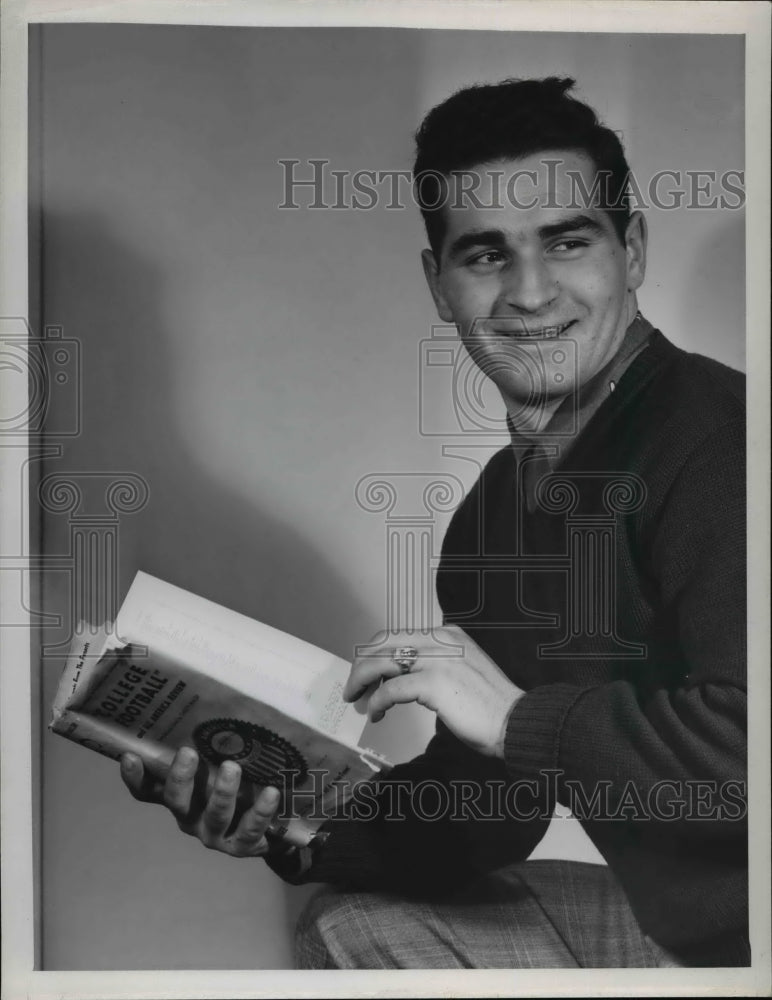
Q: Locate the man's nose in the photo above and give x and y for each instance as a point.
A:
(529, 285)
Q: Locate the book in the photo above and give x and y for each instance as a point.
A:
(175, 670)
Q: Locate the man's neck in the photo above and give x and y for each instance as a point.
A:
(531, 421)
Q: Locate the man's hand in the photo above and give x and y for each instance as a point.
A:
(206, 814)
(466, 689)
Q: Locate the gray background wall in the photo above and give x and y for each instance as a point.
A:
(253, 364)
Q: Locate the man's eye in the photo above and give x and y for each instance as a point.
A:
(568, 246)
(487, 261)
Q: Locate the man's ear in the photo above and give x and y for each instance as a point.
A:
(636, 236)
(432, 274)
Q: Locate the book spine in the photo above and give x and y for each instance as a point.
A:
(112, 741)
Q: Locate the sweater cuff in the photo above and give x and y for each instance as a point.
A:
(532, 738)
(346, 853)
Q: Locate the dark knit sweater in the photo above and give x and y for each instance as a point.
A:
(651, 720)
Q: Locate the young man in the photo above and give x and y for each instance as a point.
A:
(592, 584)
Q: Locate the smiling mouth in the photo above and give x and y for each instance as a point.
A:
(518, 330)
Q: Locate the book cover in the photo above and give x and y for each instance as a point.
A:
(178, 670)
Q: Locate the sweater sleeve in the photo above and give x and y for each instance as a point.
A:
(691, 730)
(430, 825)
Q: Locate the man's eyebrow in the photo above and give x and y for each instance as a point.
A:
(497, 238)
(477, 238)
(571, 224)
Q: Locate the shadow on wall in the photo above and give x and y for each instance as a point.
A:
(194, 532)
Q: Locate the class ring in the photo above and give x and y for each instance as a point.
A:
(405, 657)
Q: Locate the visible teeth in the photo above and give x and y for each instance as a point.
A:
(547, 332)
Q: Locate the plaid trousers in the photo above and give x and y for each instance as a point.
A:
(532, 915)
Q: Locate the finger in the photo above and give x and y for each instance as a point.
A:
(142, 785)
(250, 833)
(370, 670)
(218, 814)
(400, 691)
(178, 788)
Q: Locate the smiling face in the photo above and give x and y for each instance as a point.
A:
(517, 280)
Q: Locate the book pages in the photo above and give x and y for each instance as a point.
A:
(261, 661)
(181, 671)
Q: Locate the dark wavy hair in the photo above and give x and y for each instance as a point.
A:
(507, 121)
